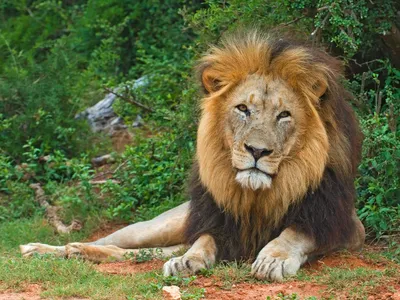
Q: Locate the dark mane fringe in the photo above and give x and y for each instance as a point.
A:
(324, 213)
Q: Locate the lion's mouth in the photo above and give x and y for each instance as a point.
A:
(254, 178)
(254, 169)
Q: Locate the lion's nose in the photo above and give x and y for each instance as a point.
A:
(258, 153)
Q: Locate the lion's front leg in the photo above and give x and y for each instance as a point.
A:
(201, 255)
(283, 256)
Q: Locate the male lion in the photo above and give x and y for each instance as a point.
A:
(277, 153)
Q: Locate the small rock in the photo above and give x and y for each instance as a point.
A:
(171, 292)
(396, 296)
(102, 160)
(138, 122)
(101, 116)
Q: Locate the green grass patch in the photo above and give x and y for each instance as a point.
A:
(72, 278)
(77, 278)
(25, 231)
(357, 282)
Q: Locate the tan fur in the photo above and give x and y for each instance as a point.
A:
(225, 70)
(201, 255)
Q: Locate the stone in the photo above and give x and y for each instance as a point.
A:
(138, 122)
(101, 116)
(171, 292)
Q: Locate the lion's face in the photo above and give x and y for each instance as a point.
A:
(263, 131)
(261, 128)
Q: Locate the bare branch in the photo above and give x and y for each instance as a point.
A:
(392, 118)
(111, 172)
(322, 25)
(378, 102)
(302, 17)
(97, 182)
(290, 22)
(365, 63)
(131, 101)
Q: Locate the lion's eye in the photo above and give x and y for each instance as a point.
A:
(283, 114)
(243, 108)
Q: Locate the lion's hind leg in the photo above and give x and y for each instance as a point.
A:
(356, 242)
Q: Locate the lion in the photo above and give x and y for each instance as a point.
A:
(273, 178)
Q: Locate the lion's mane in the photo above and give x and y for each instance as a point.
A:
(312, 191)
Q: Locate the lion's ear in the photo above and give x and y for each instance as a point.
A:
(209, 80)
(319, 88)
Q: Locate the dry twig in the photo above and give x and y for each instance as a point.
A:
(51, 212)
(302, 17)
(131, 101)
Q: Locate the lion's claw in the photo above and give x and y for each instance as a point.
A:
(275, 268)
(185, 265)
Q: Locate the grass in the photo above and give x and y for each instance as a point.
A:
(71, 278)
(76, 278)
(61, 278)
(25, 231)
(357, 282)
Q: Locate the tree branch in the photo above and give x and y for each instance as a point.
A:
(302, 17)
(131, 101)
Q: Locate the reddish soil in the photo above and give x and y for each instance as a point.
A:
(128, 267)
(215, 289)
(342, 260)
(30, 292)
(261, 291)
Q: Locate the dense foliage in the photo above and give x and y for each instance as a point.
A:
(56, 57)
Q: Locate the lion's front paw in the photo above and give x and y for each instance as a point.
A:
(276, 267)
(185, 265)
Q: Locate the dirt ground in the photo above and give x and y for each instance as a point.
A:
(215, 290)
(215, 287)
(29, 292)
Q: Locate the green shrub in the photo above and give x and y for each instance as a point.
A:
(379, 182)
(153, 175)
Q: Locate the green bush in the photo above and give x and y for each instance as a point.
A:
(55, 56)
(154, 171)
(378, 185)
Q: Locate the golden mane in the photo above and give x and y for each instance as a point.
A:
(310, 73)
